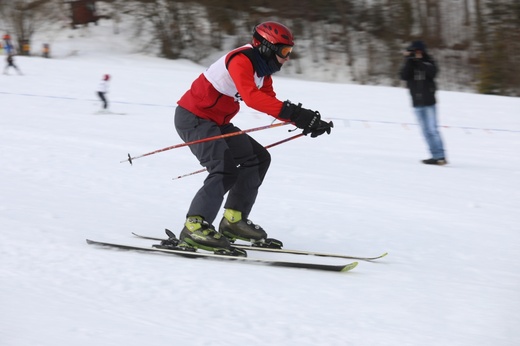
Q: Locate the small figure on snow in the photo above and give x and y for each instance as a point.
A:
(102, 91)
(8, 46)
(10, 63)
(419, 71)
(46, 50)
(237, 164)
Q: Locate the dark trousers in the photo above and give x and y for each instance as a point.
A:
(236, 164)
(11, 64)
(103, 99)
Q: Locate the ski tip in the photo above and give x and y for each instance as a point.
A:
(349, 266)
(376, 258)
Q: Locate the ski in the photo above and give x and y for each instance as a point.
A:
(190, 254)
(286, 251)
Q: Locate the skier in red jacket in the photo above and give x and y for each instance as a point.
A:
(237, 165)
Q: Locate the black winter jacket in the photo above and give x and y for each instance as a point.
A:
(419, 75)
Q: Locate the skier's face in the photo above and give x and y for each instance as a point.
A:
(282, 60)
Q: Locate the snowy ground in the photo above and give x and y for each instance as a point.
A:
(452, 275)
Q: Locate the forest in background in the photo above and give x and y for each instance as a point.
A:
(475, 42)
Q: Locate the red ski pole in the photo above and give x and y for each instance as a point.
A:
(284, 140)
(267, 147)
(130, 158)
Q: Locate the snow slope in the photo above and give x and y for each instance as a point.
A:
(451, 277)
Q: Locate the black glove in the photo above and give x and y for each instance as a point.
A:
(321, 129)
(306, 119)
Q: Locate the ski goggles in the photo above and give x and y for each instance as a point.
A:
(283, 51)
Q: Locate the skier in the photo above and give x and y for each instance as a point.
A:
(10, 63)
(102, 91)
(236, 165)
(419, 71)
(8, 47)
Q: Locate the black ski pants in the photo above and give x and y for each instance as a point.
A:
(235, 164)
(103, 99)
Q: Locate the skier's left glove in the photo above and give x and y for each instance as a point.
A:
(322, 127)
(306, 119)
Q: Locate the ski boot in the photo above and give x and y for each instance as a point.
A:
(199, 234)
(234, 227)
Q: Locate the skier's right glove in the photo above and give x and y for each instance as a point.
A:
(306, 119)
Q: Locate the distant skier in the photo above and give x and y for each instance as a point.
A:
(8, 46)
(10, 63)
(102, 92)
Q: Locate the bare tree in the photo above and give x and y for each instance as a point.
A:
(178, 28)
(22, 18)
(474, 40)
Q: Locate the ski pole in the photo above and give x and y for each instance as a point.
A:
(267, 147)
(284, 140)
(130, 158)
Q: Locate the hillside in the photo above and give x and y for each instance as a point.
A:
(451, 277)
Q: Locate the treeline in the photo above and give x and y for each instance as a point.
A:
(476, 42)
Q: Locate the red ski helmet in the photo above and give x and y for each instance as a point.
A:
(106, 77)
(274, 37)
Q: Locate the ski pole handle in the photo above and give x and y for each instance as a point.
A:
(130, 158)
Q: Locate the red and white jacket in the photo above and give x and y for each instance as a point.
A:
(216, 94)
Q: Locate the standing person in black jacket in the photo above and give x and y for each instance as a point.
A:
(419, 71)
